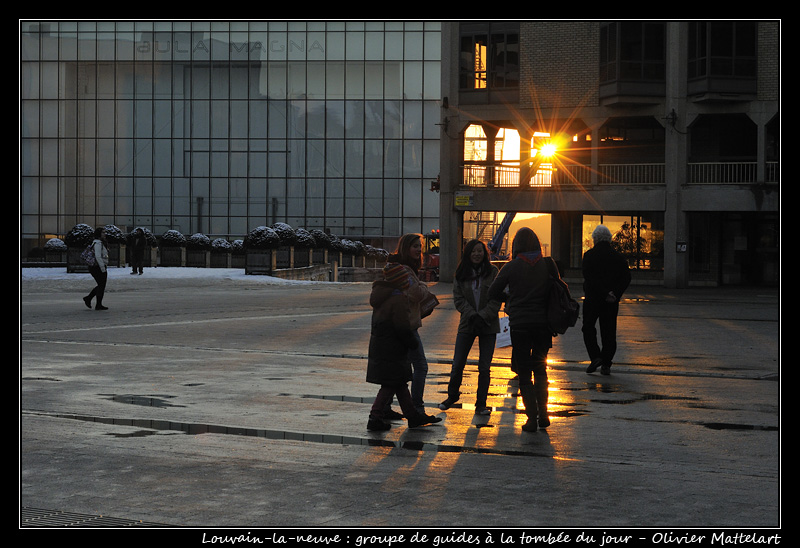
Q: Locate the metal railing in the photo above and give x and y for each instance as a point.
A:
(508, 175)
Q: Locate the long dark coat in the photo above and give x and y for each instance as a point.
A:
(391, 336)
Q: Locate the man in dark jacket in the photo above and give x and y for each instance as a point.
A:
(606, 277)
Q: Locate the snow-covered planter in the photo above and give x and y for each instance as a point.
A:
(260, 245)
(303, 247)
(284, 254)
(221, 253)
(79, 236)
(55, 251)
(173, 248)
(322, 244)
(198, 250)
(375, 257)
(238, 256)
(115, 243)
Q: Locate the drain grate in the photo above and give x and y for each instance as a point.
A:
(37, 517)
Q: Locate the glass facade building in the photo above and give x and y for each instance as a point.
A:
(222, 126)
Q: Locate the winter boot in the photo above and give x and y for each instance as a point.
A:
(529, 400)
(541, 403)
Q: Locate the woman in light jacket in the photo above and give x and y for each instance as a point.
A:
(98, 270)
(474, 275)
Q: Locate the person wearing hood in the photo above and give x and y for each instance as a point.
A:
(408, 255)
(524, 284)
(392, 336)
(606, 277)
(98, 270)
(474, 275)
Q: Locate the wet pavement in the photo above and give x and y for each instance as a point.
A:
(237, 403)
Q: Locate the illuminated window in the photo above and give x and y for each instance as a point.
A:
(489, 56)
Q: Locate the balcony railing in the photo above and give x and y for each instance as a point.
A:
(507, 175)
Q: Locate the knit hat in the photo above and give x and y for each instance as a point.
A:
(601, 234)
(396, 275)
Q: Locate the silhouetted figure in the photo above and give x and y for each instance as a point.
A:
(606, 277)
(527, 281)
(138, 244)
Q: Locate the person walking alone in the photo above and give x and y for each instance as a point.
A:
(606, 276)
(474, 275)
(98, 270)
(527, 281)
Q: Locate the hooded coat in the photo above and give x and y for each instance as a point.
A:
(391, 335)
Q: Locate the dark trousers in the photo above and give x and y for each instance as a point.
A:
(137, 261)
(529, 349)
(100, 277)
(605, 315)
(464, 342)
(384, 399)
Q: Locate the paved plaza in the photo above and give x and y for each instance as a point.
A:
(231, 401)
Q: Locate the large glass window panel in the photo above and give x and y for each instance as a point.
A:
(315, 158)
(49, 80)
(393, 80)
(334, 80)
(315, 202)
(219, 198)
(432, 84)
(373, 119)
(354, 158)
(315, 86)
(162, 203)
(237, 198)
(276, 119)
(237, 166)
(258, 119)
(162, 117)
(239, 124)
(315, 119)
(257, 164)
(354, 119)
(373, 80)
(219, 164)
(430, 160)
(412, 158)
(392, 158)
(334, 158)
(412, 119)
(334, 119)
(373, 158)
(354, 80)
(143, 159)
(296, 81)
(392, 119)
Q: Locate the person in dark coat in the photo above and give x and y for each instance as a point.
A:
(138, 243)
(474, 275)
(391, 338)
(606, 277)
(524, 284)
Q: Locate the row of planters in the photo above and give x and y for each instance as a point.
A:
(269, 248)
(263, 250)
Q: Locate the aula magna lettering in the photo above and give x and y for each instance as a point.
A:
(275, 46)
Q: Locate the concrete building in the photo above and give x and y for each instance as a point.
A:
(219, 127)
(667, 132)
